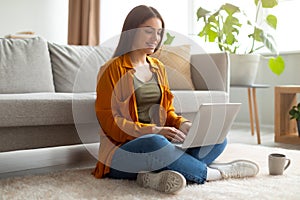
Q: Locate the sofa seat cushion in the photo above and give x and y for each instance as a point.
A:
(189, 101)
(34, 109)
(25, 66)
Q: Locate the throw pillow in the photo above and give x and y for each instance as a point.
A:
(25, 66)
(177, 62)
(75, 68)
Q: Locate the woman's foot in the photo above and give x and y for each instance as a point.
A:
(236, 169)
(167, 181)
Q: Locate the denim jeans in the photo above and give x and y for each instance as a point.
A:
(155, 153)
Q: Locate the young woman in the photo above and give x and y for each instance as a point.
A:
(134, 107)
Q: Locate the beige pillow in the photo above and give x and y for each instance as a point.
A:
(177, 62)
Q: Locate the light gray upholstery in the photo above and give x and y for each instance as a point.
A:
(75, 68)
(211, 71)
(25, 66)
(31, 137)
(37, 109)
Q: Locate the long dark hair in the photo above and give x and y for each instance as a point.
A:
(134, 19)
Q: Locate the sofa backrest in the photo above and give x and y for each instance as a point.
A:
(35, 65)
(75, 68)
(211, 71)
(25, 66)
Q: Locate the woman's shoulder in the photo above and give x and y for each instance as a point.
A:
(112, 62)
(156, 62)
(109, 68)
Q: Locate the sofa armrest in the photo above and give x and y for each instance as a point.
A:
(211, 71)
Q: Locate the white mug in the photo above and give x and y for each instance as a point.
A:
(278, 163)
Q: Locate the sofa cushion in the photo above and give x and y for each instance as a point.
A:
(75, 68)
(25, 66)
(177, 62)
(34, 109)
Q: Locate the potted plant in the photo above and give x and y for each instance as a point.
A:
(295, 114)
(225, 27)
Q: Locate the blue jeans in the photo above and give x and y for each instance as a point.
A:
(155, 153)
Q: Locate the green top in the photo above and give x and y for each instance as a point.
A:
(148, 96)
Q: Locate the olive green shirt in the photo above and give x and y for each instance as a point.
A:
(148, 96)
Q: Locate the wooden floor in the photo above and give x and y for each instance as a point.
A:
(39, 161)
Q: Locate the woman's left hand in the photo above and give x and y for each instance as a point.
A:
(185, 127)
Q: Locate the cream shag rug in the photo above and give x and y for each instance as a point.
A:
(80, 184)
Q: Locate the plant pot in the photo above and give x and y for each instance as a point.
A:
(243, 68)
(298, 126)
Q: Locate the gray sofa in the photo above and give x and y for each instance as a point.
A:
(47, 91)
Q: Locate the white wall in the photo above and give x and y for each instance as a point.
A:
(47, 18)
(113, 13)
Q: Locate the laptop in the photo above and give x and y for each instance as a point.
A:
(211, 124)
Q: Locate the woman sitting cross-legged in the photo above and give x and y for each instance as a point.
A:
(134, 107)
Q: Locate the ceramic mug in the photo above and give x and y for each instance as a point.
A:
(278, 163)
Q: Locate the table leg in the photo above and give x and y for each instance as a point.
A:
(250, 110)
(256, 115)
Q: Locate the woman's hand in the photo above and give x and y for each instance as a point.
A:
(185, 127)
(171, 133)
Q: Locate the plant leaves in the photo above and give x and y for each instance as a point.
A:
(277, 65)
(257, 35)
(267, 3)
(169, 39)
(272, 21)
(230, 9)
(201, 12)
(269, 42)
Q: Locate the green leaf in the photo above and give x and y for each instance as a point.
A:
(272, 21)
(257, 35)
(277, 65)
(212, 35)
(292, 112)
(230, 9)
(169, 39)
(201, 12)
(267, 3)
(269, 42)
(209, 33)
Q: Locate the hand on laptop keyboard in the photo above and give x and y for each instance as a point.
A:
(171, 133)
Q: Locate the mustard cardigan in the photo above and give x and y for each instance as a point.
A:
(116, 108)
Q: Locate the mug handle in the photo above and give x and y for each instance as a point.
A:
(287, 164)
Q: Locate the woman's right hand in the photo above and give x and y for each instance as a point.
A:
(171, 133)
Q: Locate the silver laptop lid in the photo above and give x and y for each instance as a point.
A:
(211, 124)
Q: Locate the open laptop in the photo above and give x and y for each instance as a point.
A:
(211, 124)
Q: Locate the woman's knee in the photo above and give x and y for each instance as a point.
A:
(146, 143)
(154, 142)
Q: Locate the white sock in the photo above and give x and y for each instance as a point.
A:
(213, 174)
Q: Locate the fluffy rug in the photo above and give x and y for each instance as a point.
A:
(80, 184)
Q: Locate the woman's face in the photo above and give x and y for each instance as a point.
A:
(148, 36)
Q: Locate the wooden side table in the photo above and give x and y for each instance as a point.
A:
(285, 99)
(252, 103)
